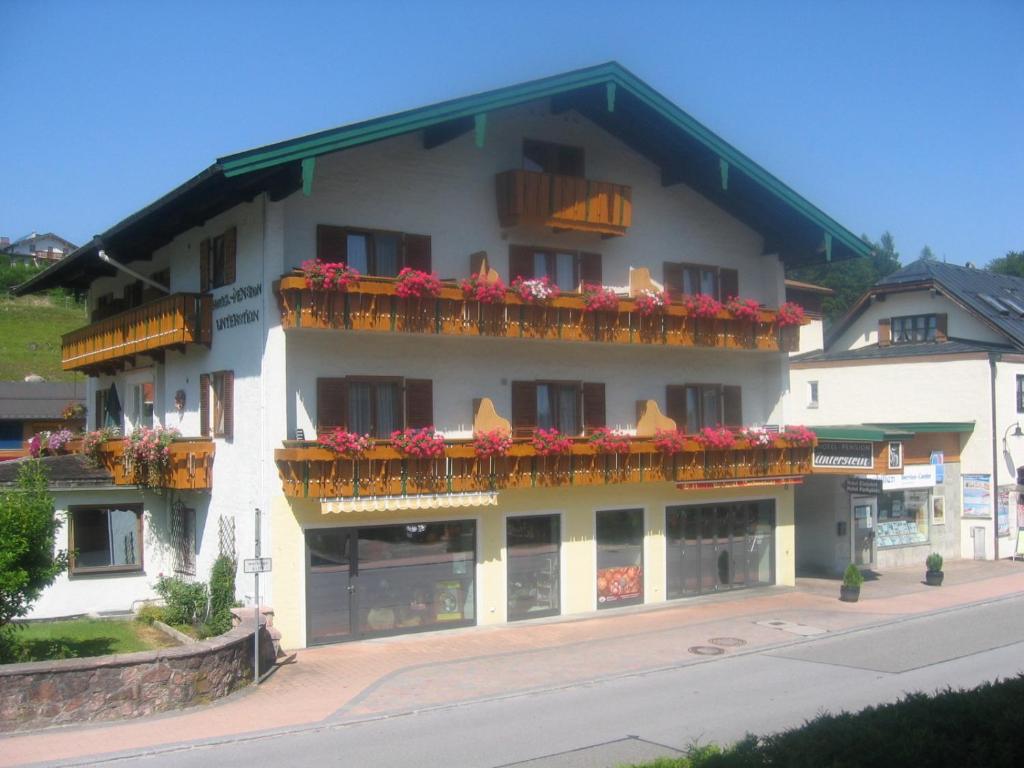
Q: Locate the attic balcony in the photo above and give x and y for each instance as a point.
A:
(172, 322)
(190, 467)
(547, 200)
(310, 471)
(372, 304)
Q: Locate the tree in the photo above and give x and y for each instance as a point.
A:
(850, 279)
(1010, 264)
(29, 562)
(927, 254)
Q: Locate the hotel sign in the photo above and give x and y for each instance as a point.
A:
(844, 454)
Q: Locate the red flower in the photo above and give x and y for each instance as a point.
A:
(743, 309)
(800, 435)
(418, 443)
(597, 298)
(493, 443)
(649, 302)
(415, 284)
(715, 438)
(670, 441)
(476, 288)
(328, 275)
(790, 313)
(346, 443)
(549, 442)
(702, 305)
(535, 290)
(610, 441)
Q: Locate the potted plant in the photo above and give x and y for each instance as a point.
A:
(933, 576)
(849, 592)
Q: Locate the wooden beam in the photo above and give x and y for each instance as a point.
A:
(480, 129)
(436, 135)
(610, 95)
(308, 169)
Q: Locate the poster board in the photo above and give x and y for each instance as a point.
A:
(977, 496)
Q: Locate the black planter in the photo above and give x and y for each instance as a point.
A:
(933, 578)
(849, 594)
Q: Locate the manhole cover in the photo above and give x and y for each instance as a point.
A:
(727, 642)
(706, 650)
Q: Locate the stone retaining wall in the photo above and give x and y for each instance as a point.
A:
(46, 693)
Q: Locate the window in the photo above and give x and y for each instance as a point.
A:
(691, 279)
(142, 405)
(373, 252)
(374, 405)
(11, 435)
(565, 268)
(914, 328)
(105, 538)
(108, 408)
(216, 404)
(558, 407)
(571, 407)
(217, 260)
(696, 406)
(183, 538)
(812, 394)
(1020, 393)
(545, 157)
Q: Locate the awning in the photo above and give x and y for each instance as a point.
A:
(870, 432)
(395, 503)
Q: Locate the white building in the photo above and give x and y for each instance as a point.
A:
(587, 177)
(35, 249)
(930, 360)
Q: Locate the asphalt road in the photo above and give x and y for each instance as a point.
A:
(660, 713)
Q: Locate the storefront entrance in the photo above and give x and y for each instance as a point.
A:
(620, 557)
(389, 579)
(863, 526)
(533, 547)
(720, 547)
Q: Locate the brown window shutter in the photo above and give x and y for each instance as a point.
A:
(229, 405)
(672, 276)
(590, 268)
(728, 284)
(417, 253)
(204, 404)
(419, 403)
(331, 243)
(331, 404)
(230, 250)
(732, 406)
(524, 405)
(593, 406)
(884, 332)
(675, 404)
(942, 327)
(204, 265)
(520, 262)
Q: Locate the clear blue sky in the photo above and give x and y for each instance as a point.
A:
(906, 116)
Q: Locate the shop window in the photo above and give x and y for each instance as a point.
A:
(10, 435)
(903, 518)
(565, 268)
(216, 404)
(546, 157)
(105, 539)
(217, 260)
(691, 279)
(620, 557)
(696, 406)
(376, 406)
(373, 252)
(913, 328)
(532, 547)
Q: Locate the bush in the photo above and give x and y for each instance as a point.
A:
(934, 562)
(852, 577)
(185, 602)
(149, 613)
(222, 596)
(28, 532)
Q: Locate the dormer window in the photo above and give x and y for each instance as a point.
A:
(913, 328)
(545, 157)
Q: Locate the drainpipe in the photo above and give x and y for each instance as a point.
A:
(129, 271)
(993, 358)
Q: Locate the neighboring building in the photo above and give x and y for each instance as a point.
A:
(35, 249)
(587, 177)
(926, 373)
(28, 407)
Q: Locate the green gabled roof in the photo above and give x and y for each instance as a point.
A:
(610, 81)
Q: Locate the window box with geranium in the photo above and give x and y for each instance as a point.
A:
(539, 290)
(799, 435)
(478, 288)
(716, 439)
(597, 298)
(670, 441)
(349, 444)
(93, 442)
(789, 318)
(495, 442)
(147, 455)
(607, 440)
(550, 442)
(328, 275)
(416, 284)
(744, 309)
(418, 443)
(649, 302)
(703, 306)
(758, 437)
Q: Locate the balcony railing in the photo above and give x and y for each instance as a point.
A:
(190, 469)
(310, 471)
(563, 202)
(373, 305)
(171, 322)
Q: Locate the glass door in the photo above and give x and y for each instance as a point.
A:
(620, 557)
(330, 584)
(533, 546)
(863, 527)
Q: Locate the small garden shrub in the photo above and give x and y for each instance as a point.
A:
(186, 602)
(149, 613)
(222, 596)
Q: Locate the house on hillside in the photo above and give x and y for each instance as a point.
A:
(29, 407)
(35, 250)
(589, 185)
(925, 374)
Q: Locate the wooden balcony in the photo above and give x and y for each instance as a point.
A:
(372, 305)
(563, 202)
(191, 466)
(168, 323)
(310, 471)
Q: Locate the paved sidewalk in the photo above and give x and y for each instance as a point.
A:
(374, 678)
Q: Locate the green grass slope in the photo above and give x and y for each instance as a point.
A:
(30, 331)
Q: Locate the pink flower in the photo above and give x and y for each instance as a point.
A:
(650, 302)
(418, 443)
(416, 284)
(328, 275)
(597, 298)
(493, 443)
(743, 309)
(535, 290)
(348, 444)
(702, 305)
(476, 288)
(609, 441)
(716, 438)
(790, 313)
(800, 435)
(670, 441)
(549, 442)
